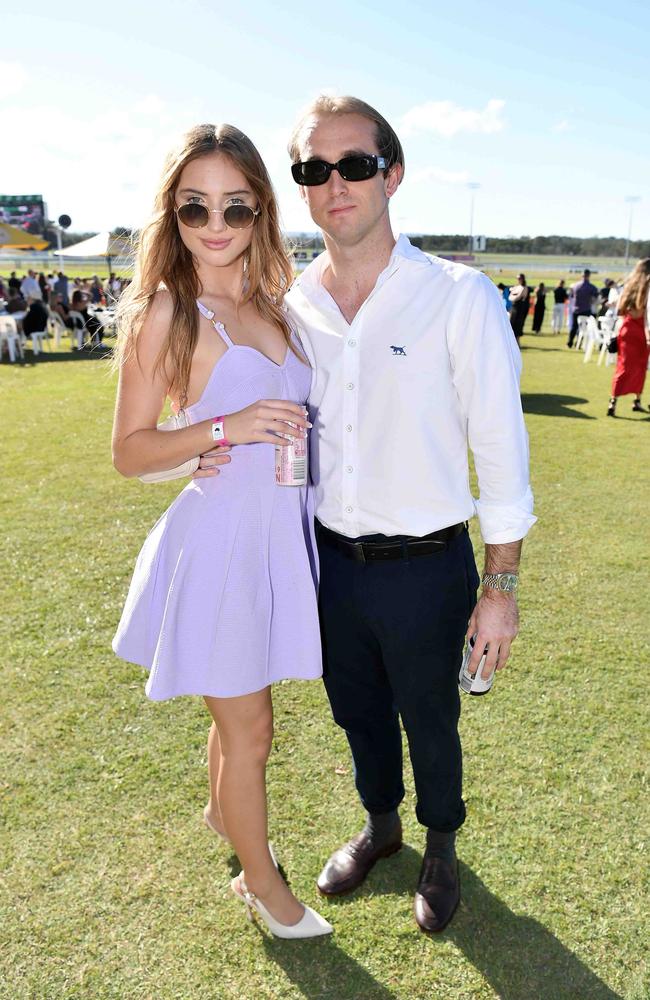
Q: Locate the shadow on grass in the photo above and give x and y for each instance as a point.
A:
(50, 357)
(518, 956)
(320, 969)
(548, 350)
(547, 404)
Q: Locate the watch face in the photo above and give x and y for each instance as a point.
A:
(508, 582)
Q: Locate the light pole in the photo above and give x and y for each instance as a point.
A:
(631, 200)
(472, 186)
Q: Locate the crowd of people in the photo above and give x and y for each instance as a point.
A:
(626, 300)
(34, 298)
(580, 299)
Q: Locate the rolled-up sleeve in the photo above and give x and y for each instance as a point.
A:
(486, 365)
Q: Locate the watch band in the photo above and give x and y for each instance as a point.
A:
(507, 583)
(218, 432)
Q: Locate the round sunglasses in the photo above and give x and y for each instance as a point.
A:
(359, 167)
(235, 216)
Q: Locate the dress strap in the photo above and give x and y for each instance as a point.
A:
(219, 327)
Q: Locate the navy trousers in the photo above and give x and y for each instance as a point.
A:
(393, 634)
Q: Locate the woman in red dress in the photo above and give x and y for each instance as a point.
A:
(633, 338)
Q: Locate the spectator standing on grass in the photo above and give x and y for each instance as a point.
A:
(560, 296)
(113, 288)
(44, 287)
(540, 307)
(29, 286)
(505, 294)
(633, 338)
(14, 282)
(585, 297)
(61, 287)
(96, 291)
(603, 297)
(520, 302)
(223, 600)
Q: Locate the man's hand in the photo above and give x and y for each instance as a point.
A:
(495, 622)
(210, 460)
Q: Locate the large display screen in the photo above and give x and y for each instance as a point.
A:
(27, 211)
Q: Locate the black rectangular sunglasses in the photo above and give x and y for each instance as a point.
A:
(360, 167)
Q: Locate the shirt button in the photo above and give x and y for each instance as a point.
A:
(350, 385)
(349, 510)
(349, 427)
(349, 468)
(352, 343)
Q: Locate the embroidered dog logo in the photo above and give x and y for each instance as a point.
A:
(397, 350)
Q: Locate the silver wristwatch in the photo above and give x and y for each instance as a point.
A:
(507, 583)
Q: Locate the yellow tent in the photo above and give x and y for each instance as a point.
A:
(13, 238)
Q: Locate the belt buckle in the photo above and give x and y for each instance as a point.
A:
(358, 553)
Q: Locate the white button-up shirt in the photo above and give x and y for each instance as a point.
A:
(427, 366)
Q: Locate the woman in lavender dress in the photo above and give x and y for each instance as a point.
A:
(223, 597)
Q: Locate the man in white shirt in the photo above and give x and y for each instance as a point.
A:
(413, 359)
(29, 287)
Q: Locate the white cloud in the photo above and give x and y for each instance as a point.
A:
(13, 77)
(443, 176)
(446, 118)
(149, 105)
(102, 171)
(562, 126)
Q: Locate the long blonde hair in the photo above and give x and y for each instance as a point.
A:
(162, 259)
(634, 297)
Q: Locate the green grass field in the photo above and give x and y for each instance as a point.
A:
(112, 889)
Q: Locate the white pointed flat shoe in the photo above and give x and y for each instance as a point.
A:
(311, 924)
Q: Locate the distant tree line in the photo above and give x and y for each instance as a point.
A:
(592, 246)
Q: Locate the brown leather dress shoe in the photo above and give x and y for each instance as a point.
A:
(348, 867)
(437, 894)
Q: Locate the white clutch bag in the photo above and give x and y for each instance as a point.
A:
(176, 422)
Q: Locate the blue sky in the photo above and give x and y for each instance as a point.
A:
(545, 105)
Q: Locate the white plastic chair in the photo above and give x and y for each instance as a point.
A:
(583, 326)
(607, 325)
(56, 328)
(593, 338)
(10, 336)
(39, 338)
(77, 328)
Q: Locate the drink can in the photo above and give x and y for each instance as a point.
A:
(474, 683)
(291, 462)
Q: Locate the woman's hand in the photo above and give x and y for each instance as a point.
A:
(264, 421)
(210, 460)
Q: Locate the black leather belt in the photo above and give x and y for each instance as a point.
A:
(399, 547)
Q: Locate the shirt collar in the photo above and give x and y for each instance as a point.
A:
(311, 278)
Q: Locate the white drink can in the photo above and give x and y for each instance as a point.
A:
(474, 683)
(291, 463)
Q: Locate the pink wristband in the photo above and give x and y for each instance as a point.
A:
(218, 432)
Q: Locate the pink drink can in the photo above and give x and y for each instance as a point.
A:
(291, 463)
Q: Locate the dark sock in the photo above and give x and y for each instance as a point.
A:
(380, 827)
(441, 845)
